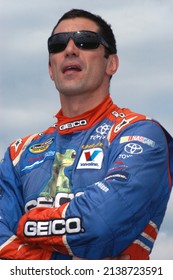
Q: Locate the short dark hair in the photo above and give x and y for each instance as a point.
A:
(105, 29)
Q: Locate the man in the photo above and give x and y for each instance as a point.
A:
(96, 184)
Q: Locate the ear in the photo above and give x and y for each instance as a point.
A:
(112, 64)
(50, 71)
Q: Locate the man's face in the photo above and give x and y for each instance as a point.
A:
(76, 71)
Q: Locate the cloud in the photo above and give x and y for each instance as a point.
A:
(162, 249)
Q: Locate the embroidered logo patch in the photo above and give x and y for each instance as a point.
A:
(91, 159)
(41, 147)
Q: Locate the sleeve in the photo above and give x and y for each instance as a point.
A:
(11, 205)
(126, 207)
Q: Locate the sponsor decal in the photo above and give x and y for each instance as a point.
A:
(54, 125)
(138, 138)
(16, 144)
(102, 186)
(41, 147)
(53, 227)
(59, 180)
(44, 201)
(49, 154)
(119, 176)
(119, 165)
(123, 123)
(73, 124)
(29, 167)
(133, 148)
(124, 156)
(94, 145)
(35, 158)
(102, 132)
(91, 159)
(116, 114)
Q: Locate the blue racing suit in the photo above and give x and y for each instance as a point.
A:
(93, 186)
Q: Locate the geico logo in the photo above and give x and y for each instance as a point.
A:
(73, 124)
(59, 200)
(55, 227)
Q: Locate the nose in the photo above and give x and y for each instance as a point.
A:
(71, 48)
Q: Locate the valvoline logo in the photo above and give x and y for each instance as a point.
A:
(91, 159)
(91, 156)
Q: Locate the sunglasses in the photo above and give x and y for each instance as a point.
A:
(83, 39)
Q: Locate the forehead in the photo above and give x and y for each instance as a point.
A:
(75, 24)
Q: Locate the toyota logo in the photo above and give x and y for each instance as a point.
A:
(103, 129)
(133, 148)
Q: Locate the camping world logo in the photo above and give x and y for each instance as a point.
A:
(91, 159)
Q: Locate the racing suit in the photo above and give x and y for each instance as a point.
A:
(93, 186)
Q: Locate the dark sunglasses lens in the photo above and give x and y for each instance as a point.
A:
(57, 43)
(87, 40)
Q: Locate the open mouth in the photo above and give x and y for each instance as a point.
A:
(71, 68)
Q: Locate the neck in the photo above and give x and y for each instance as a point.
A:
(86, 120)
(76, 105)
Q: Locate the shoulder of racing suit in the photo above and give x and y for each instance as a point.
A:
(19, 146)
(120, 118)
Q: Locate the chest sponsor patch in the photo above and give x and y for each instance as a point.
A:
(91, 159)
(137, 138)
(41, 147)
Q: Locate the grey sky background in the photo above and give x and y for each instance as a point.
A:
(144, 81)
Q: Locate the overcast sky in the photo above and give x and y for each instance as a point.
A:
(144, 81)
